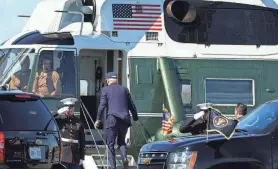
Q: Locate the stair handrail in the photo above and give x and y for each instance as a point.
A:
(84, 110)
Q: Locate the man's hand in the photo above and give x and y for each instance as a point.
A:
(97, 124)
(135, 118)
(199, 115)
(63, 110)
(80, 162)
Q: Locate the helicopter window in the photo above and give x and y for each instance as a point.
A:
(61, 38)
(55, 76)
(229, 91)
(69, 18)
(15, 67)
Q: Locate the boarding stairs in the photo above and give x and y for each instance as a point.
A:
(95, 160)
(97, 153)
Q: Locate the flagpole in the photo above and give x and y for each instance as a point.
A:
(208, 122)
(207, 134)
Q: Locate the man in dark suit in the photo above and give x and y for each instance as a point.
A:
(73, 136)
(118, 102)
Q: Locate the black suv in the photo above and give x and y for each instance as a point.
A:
(254, 145)
(29, 136)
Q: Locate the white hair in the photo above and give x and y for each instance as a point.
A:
(110, 81)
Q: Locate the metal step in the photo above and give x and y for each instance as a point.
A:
(96, 161)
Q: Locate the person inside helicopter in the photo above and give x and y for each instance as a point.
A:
(19, 80)
(47, 82)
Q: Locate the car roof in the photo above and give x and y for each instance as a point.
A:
(12, 92)
(271, 101)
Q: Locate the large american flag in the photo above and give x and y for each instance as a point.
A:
(167, 122)
(137, 17)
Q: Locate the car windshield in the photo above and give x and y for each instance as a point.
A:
(261, 120)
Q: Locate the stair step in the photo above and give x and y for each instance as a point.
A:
(94, 161)
(97, 158)
(94, 146)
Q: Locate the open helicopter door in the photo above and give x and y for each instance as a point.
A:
(93, 66)
(92, 70)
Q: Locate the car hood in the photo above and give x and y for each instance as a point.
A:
(175, 143)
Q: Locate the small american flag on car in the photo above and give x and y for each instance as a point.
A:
(167, 122)
(145, 17)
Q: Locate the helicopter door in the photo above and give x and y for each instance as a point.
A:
(93, 66)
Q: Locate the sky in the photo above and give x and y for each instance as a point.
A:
(10, 24)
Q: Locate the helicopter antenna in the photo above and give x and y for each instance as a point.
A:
(23, 16)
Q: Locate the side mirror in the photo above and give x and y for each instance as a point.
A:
(58, 166)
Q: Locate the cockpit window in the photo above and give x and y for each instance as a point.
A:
(55, 74)
(15, 67)
(48, 74)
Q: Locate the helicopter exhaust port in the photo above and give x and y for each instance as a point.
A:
(181, 11)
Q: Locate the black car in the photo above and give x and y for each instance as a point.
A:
(29, 136)
(254, 145)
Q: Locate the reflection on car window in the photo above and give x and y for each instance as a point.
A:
(55, 76)
(29, 115)
(260, 120)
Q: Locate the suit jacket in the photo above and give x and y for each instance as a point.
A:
(71, 128)
(118, 102)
